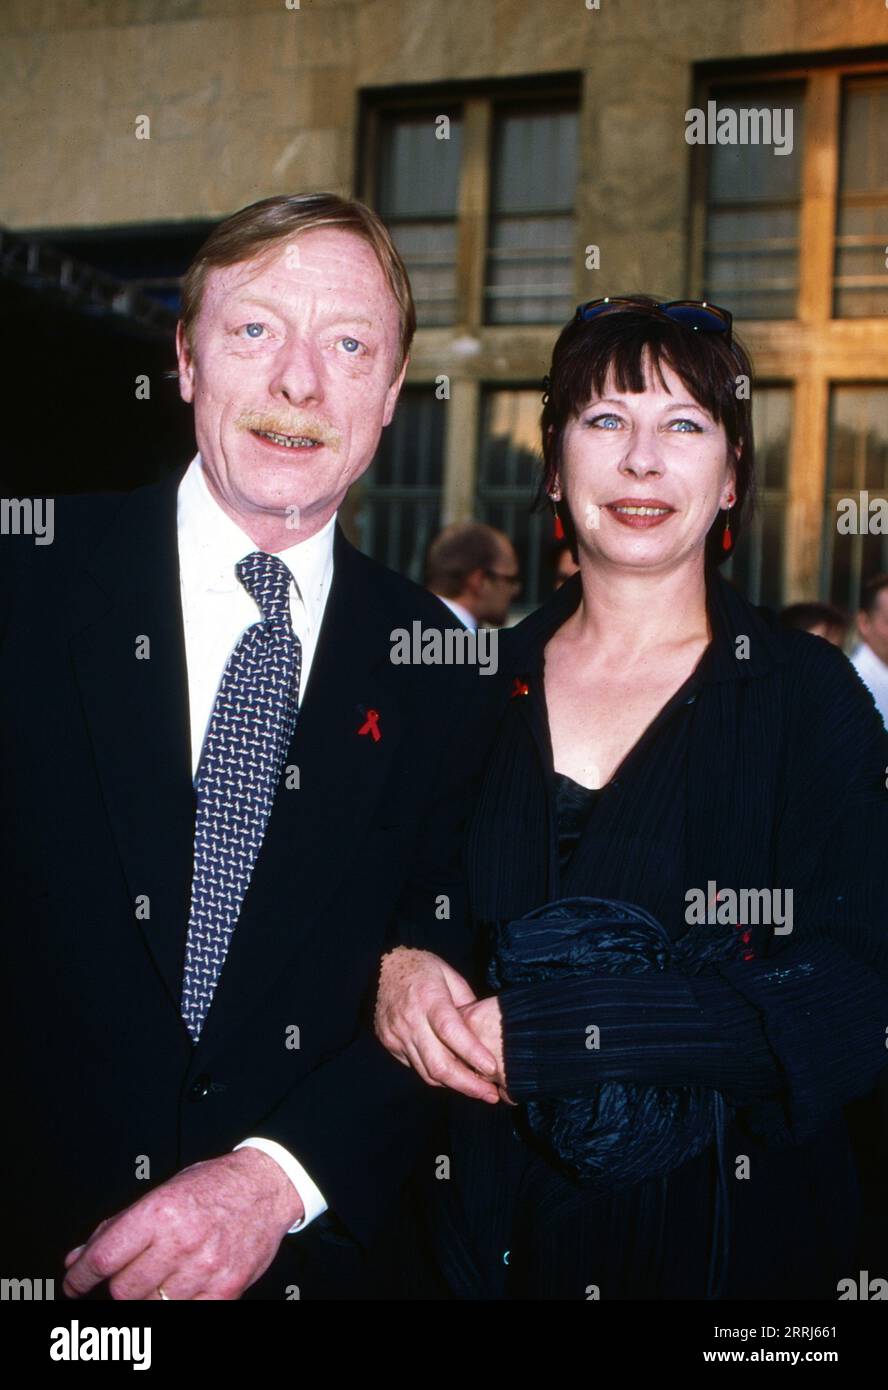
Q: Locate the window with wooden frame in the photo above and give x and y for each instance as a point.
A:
(861, 282)
(478, 183)
(418, 161)
(530, 240)
(398, 505)
(756, 566)
(478, 186)
(753, 208)
(796, 246)
(854, 546)
(509, 473)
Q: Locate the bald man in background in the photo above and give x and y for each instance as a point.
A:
(473, 568)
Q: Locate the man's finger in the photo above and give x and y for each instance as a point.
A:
(181, 1277)
(418, 1063)
(144, 1276)
(73, 1254)
(455, 1033)
(104, 1255)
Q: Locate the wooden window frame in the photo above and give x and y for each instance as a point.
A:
(469, 352)
(830, 524)
(814, 350)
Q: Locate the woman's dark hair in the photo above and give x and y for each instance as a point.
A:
(624, 341)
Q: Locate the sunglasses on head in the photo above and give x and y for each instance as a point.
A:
(692, 313)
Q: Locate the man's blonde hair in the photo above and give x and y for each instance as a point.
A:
(272, 220)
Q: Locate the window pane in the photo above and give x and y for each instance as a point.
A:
(756, 566)
(533, 187)
(509, 470)
(417, 196)
(857, 463)
(751, 250)
(771, 421)
(861, 283)
(399, 509)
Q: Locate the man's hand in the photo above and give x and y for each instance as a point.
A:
(418, 1020)
(207, 1233)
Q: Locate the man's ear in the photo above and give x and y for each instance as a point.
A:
(475, 581)
(185, 359)
(392, 394)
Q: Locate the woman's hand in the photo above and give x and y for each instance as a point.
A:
(419, 1021)
(485, 1019)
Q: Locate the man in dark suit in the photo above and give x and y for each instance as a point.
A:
(221, 803)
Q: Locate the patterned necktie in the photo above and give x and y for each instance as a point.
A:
(243, 755)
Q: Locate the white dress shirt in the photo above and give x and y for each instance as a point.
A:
(216, 610)
(466, 618)
(874, 674)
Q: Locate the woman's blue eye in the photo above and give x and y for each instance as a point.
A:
(258, 327)
(692, 426)
(350, 344)
(605, 421)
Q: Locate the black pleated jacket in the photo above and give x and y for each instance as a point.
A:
(767, 769)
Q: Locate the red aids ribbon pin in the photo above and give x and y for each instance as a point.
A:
(519, 687)
(371, 725)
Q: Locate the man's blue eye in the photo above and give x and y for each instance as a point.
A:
(350, 344)
(258, 327)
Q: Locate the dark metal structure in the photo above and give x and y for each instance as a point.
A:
(89, 402)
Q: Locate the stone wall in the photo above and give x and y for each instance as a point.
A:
(249, 97)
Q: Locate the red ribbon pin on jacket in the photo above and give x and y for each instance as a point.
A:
(371, 725)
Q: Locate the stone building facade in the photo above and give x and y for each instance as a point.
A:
(529, 154)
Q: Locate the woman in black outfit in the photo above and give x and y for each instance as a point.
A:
(677, 871)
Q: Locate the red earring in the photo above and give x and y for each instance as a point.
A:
(559, 526)
(727, 538)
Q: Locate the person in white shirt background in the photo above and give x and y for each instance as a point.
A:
(870, 657)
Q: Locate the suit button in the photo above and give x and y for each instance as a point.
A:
(200, 1088)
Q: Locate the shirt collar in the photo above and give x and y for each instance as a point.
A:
(459, 611)
(211, 544)
(863, 655)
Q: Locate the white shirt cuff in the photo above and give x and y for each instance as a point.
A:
(312, 1197)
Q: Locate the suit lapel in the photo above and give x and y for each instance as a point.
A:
(137, 712)
(128, 652)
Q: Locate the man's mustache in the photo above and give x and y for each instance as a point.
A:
(299, 424)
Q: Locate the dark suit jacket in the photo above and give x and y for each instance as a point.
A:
(103, 1086)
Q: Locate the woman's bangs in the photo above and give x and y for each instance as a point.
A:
(630, 355)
